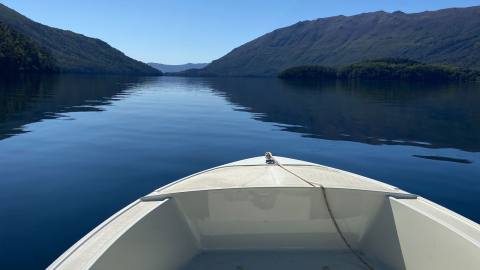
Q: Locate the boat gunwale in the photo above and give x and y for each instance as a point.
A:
(448, 226)
(400, 194)
(82, 241)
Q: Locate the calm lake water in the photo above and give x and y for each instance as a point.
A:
(75, 149)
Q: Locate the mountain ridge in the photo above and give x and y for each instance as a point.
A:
(447, 36)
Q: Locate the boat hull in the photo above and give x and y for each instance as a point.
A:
(245, 214)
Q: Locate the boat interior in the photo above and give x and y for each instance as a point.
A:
(246, 216)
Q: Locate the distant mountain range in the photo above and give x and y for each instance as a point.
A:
(68, 51)
(177, 68)
(448, 36)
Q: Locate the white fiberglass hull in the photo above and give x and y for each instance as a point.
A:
(253, 215)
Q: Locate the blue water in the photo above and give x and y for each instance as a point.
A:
(75, 149)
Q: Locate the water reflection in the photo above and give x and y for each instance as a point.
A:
(395, 113)
(26, 99)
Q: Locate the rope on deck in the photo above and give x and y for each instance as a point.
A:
(271, 160)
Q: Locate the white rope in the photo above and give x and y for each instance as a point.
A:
(271, 160)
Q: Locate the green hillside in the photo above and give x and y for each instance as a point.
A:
(449, 36)
(74, 52)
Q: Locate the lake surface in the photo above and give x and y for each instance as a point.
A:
(75, 149)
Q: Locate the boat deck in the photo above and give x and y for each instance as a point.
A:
(278, 260)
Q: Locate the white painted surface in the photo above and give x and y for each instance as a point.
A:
(366, 220)
(86, 251)
(160, 240)
(148, 235)
(255, 172)
(275, 260)
(293, 218)
(237, 177)
(260, 219)
(430, 239)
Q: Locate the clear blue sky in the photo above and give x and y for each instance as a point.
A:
(176, 31)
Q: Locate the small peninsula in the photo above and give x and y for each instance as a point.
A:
(383, 69)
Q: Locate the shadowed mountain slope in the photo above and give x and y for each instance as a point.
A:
(19, 54)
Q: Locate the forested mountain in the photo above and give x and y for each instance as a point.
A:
(448, 36)
(19, 54)
(72, 52)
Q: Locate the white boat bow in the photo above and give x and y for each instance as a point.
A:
(278, 213)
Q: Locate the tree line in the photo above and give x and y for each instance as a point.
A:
(383, 69)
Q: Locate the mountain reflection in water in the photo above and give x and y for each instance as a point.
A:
(27, 98)
(396, 113)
